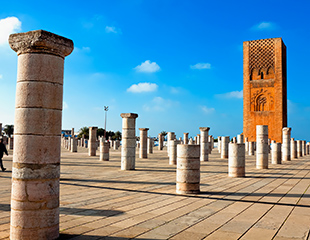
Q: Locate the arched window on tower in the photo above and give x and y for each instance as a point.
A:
(261, 103)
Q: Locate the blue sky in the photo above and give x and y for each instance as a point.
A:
(178, 64)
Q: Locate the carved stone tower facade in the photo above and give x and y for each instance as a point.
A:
(264, 87)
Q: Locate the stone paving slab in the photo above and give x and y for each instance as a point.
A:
(99, 201)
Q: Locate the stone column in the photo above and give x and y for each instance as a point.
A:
(308, 149)
(92, 144)
(219, 141)
(149, 145)
(251, 148)
(293, 148)
(246, 141)
(204, 144)
(104, 150)
(73, 144)
(37, 133)
(299, 148)
(303, 147)
(115, 145)
(198, 139)
(224, 146)
(276, 153)
(236, 160)
(160, 141)
(143, 143)
(170, 136)
(10, 143)
(128, 141)
(210, 143)
(240, 138)
(173, 152)
(188, 169)
(262, 147)
(286, 145)
(83, 140)
(0, 129)
(185, 138)
(191, 142)
(234, 140)
(72, 132)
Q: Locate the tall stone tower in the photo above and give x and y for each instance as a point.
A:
(264, 87)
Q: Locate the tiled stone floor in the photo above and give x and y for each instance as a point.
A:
(99, 201)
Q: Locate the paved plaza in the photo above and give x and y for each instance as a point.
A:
(99, 201)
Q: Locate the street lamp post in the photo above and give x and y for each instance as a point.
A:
(106, 109)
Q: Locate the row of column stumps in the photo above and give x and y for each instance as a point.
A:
(37, 128)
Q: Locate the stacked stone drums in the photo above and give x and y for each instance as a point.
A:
(37, 133)
(188, 169)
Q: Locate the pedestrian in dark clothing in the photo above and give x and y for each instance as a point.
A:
(2, 150)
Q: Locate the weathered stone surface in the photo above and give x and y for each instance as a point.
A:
(262, 149)
(236, 160)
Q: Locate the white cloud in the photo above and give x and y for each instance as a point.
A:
(112, 29)
(65, 105)
(8, 26)
(143, 87)
(229, 95)
(201, 66)
(264, 26)
(159, 104)
(148, 67)
(207, 110)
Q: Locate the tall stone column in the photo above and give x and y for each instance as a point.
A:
(170, 136)
(185, 138)
(236, 160)
(210, 143)
(0, 129)
(293, 148)
(160, 142)
(246, 141)
(224, 146)
(204, 144)
(299, 148)
(198, 139)
(173, 152)
(143, 143)
(219, 142)
(73, 144)
(104, 150)
(36, 157)
(10, 143)
(188, 169)
(128, 159)
(303, 147)
(191, 141)
(251, 148)
(262, 147)
(92, 144)
(72, 132)
(240, 138)
(286, 145)
(149, 145)
(308, 148)
(234, 140)
(276, 153)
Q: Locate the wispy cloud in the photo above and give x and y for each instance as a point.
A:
(159, 104)
(229, 95)
(112, 29)
(207, 110)
(264, 26)
(65, 105)
(201, 66)
(8, 26)
(143, 87)
(148, 67)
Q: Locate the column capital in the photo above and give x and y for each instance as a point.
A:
(286, 129)
(143, 129)
(204, 129)
(41, 41)
(129, 115)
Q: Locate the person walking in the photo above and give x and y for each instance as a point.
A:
(2, 150)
